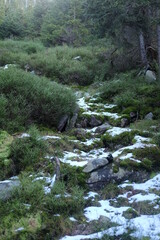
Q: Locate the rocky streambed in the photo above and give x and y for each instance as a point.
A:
(123, 198)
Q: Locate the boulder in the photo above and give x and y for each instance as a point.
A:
(94, 122)
(79, 133)
(124, 122)
(150, 76)
(6, 188)
(149, 116)
(63, 123)
(106, 175)
(84, 123)
(102, 129)
(133, 116)
(95, 164)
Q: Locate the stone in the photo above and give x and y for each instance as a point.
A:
(78, 58)
(149, 116)
(84, 123)
(106, 175)
(124, 122)
(110, 158)
(63, 123)
(72, 123)
(6, 188)
(102, 129)
(133, 116)
(79, 132)
(95, 164)
(150, 76)
(94, 122)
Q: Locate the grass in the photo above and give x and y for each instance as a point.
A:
(29, 208)
(27, 99)
(132, 93)
(56, 63)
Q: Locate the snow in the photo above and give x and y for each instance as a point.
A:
(140, 198)
(153, 183)
(19, 229)
(114, 214)
(146, 226)
(53, 181)
(117, 131)
(107, 114)
(91, 195)
(83, 104)
(50, 137)
(73, 219)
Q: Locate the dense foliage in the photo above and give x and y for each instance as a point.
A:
(27, 99)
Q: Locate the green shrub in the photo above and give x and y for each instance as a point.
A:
(63, 203)
(26, 153)
(27, 98)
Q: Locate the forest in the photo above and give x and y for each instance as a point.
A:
(79, 119)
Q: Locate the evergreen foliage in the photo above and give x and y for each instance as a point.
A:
(29, 99)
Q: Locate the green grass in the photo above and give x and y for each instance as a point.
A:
(27, 99)
(132, 93)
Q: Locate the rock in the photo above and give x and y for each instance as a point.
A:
(110, 158)
(72, 123)
(149, 116)
(94, 122)
(106, 175)
(6, 188)
(124, 122)
(133, 116)
(150, 76)
(84, 123)
(102, 129)
(78, 58)
(79, 133)
(130, 213)
(95, 164)
(63, 123)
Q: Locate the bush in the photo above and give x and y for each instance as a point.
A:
(28, 152)
(27, 98)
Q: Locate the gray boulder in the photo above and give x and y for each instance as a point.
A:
(94, 122)
(150, 76)
(6, 188)
(149, 116)
(105, 175)
(63, 123)
(103, 128)
(124, 122)
(95, 164)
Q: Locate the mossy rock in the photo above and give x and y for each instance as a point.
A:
(150, 157)
(128, 110)
(130, 213)
(124, 139)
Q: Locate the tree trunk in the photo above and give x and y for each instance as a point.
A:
(158, 35)
(142, 49)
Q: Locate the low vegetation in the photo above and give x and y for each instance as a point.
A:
(26, 99)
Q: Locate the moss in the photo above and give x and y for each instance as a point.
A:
(110, 191)
(124, 138)
(115, 169)
(130, 164)
(153, 157)
(73, 176)
(130, 213)
(128, 110)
